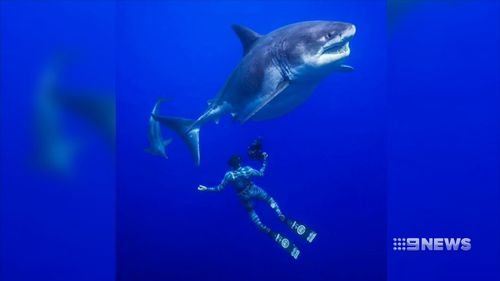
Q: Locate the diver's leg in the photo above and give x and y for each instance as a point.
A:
(284, 242)
(262, 195)
(256, 220)
(301, 229)
(254, 217)
(274, 205)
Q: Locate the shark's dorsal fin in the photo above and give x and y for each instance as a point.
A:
(247, 37)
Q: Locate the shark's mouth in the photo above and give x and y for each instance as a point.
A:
(337, 49)
(334, 51)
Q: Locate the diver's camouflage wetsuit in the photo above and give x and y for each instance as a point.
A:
(240, 178)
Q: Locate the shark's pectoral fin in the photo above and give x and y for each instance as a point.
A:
(279, 89)
(346, 68)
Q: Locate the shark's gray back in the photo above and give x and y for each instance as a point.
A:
(261, 70)
(246, 81)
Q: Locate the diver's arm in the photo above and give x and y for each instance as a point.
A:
(261, 171)
(217, 188)
(264, 163)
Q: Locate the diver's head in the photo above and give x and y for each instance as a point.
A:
(234, 162)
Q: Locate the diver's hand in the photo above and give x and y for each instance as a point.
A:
(202, 187)
(265, 155)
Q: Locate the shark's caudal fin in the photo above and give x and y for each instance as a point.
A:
(153, 151)
(156, 108)
(187, 129)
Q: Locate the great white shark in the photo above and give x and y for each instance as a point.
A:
(277, 73)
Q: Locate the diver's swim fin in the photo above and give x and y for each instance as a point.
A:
(187, 129)
(286, 244)
(302, 230)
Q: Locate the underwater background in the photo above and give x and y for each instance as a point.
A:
(407, 145)
(327, 163)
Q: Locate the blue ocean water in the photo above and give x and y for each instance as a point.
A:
(443, 137)
(55, 225)
(404, 146)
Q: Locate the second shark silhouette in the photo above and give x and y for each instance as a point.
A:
(156, 142)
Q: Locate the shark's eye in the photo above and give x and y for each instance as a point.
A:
(329, 35)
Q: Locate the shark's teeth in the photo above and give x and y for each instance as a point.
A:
(339, 50)
(330, 55)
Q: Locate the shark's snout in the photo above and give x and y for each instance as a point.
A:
(339, 44)
(350, 32)
(344, 31)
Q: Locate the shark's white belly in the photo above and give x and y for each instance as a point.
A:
(285, 102)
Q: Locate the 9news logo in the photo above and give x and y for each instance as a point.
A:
(431, 244)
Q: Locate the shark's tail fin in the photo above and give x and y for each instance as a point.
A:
(187, 129)
(156, 108)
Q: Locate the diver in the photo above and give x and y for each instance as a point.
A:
(240, 177)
